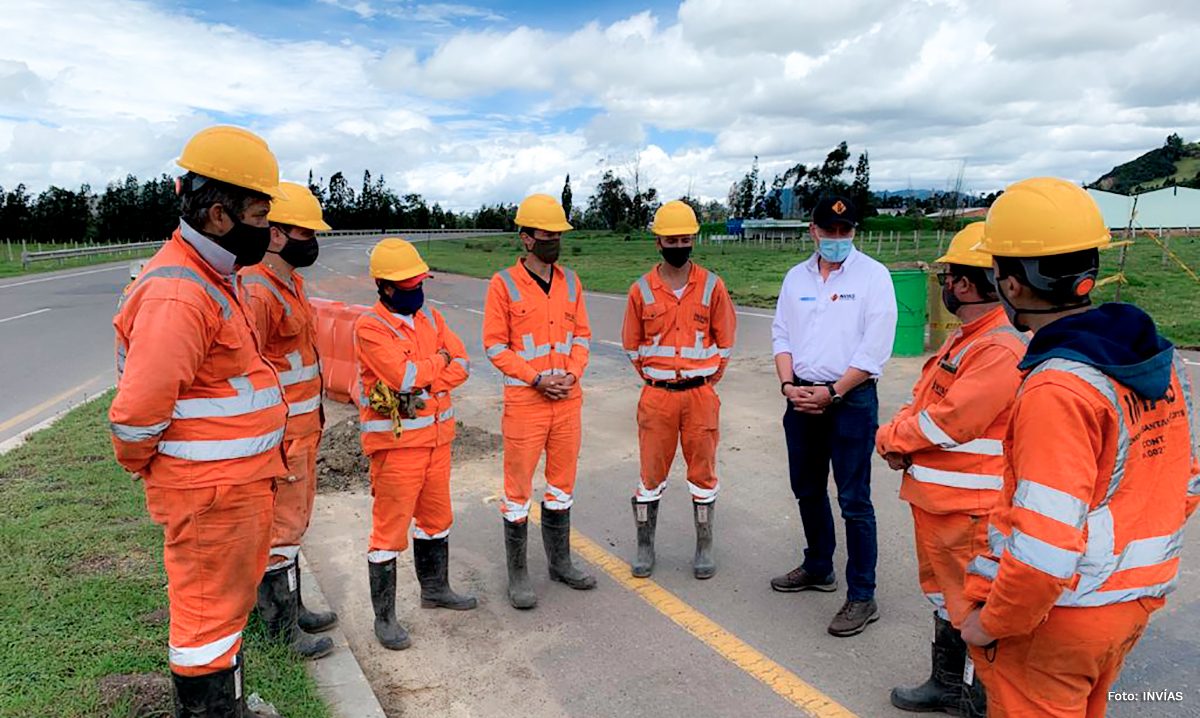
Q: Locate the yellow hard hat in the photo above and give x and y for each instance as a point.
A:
(541, 211)
(235, 156)
(1041, 217)
(675, 219)
(396, 260)
(300, 209)
(963, 250)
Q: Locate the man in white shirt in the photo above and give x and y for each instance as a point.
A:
(833, 332)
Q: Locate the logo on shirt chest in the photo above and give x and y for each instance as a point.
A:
(843, 297)
(700, 319)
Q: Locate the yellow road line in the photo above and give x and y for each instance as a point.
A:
(30, 413)
(741, 654)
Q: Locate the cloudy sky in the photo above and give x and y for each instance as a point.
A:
(471, 101)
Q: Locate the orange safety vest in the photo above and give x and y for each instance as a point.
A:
(406, 359)
(953, 431)
(288, 335)
(528, 333)
(196, 403)
(668, 337)
(1098, 485)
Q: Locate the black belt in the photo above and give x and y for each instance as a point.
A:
(681, 385)
(804, 382)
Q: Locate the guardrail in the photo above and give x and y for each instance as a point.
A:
(28, 258)
(467, 232)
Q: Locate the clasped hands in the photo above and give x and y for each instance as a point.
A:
(808, 399)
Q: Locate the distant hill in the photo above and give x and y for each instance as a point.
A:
(906, 193)
(1175, 163)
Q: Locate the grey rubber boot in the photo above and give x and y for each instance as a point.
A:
(703, 565)
(278, 609)
(556, 538)
(645, 515)
(311, 621)
(213, 695)
(431, 559)
(388, 630)
(520, 591)
(942, 692)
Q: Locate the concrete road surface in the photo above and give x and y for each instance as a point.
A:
(724, 647)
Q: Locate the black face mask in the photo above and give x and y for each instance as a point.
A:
(1014, 312)
(247, 243)
(676, 256)
(953, 303)
(300, 252)
(547, 251)
(403, 301)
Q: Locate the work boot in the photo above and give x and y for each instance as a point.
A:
(943, 691)
(798, 579)
(278, 609)
(388, 630)
(213, 695)
(853, 618)
(645, 515)
(520, 591)
(703, 565)
(556, 538)
(972, 702)
(311, 621)
(431, 559)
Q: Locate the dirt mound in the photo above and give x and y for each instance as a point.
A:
(148, 695)
(341, 465)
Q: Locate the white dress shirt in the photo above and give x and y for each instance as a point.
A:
(830, 325)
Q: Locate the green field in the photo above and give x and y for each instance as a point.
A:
(10, 258)
(608, 262)
(84, 593)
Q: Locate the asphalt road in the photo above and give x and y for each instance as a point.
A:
(614, 650)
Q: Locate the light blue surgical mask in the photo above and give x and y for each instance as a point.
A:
(835, 251)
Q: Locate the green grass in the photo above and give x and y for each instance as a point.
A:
(83, 584)
(10, 259)
(606, 262)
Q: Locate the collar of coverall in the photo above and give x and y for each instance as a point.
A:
(523, 276)
(292, 284)
(656, 280)
(980, 322)
(216, 256)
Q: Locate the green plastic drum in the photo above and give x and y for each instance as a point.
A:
(910, 303)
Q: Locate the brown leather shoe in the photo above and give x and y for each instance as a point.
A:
(800, 580)
(854, 618)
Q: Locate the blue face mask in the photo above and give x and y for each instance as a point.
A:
(404, 301)
(835, 251)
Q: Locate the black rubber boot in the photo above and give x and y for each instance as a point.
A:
(277, 607)
(520, 591)
(943, 691)
(973, 703)
(388, 630)
(214, 695)
(703, 565)
(311, 621)
(645, 515)
(431, 559)
(556, 538)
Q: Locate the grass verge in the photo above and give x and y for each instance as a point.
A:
(83, 609)
(608, 262)
(10, 259)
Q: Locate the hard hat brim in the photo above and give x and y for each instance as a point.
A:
(550, 227)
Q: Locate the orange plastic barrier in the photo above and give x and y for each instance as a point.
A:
(335, 342)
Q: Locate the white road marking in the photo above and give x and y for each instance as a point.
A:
(63, 276)
(475, 311)
(605, 341)
(26, 314)
(435, 301)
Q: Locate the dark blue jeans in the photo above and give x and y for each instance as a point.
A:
(843, 435)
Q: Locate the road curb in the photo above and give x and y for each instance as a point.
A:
(339, 678)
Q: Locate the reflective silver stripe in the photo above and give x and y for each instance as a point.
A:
(633, 355)
(559, 501)
(984, 566)
(709, 285)
(532, 351)
(693, 373)
(246, 401)
(299, 372)
(446, 415)
(184, 273)
(514, 511)
(572, 285)
(496, 350)
(384, 322)
(513, 294)
(121, 352)
(996, 541)
(1185, 384)
(513, 381)
(983, 447)
(375, 426)
(725, 353)
(221, 449)
(428, 312)
(418, 533)
(382, 556)
(379, 426)
(1012, 331)
(1146, 552)
(647, 293)
(125, 432)
(655, 350)
(257, 279)
(191, 656)
(939, 602)
(304, 407)
(1194, 486)
(410, 376)
(465, 364)
(564, 347)
(933, 432)
(704, 496)
(645, 495)
(699, 350)
(659, 373)
(1045, 557)
(581, 342)
(955, 479)
(288, 552)
(1075, 599)
(1051, 503)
